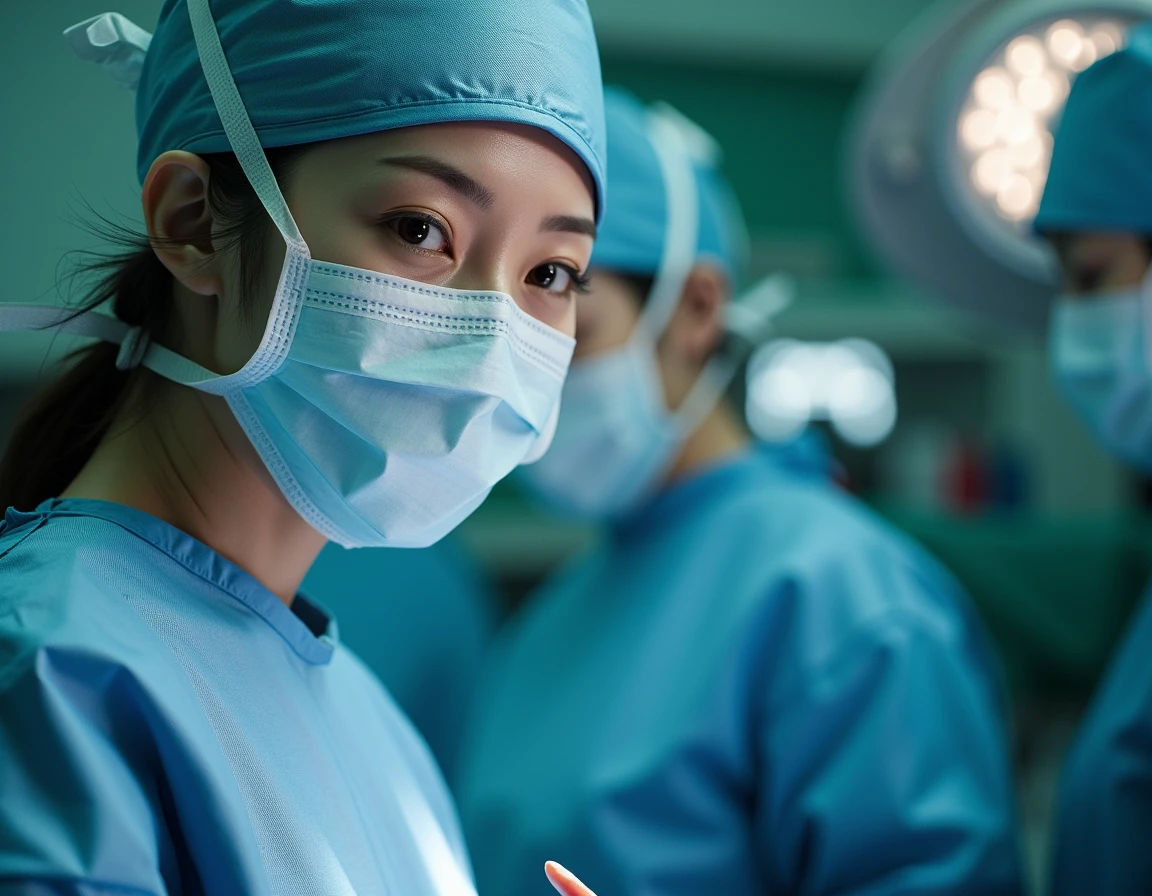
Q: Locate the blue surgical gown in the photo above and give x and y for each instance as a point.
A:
(1104, 830)
(168, 726)
(421, 620)
(751, 687)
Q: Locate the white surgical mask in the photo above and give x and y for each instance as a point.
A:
(1099, 347)
(385, 409)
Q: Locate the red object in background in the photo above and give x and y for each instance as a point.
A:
(966, 478)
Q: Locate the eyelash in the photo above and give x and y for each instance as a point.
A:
(386, 222)
(581, 281)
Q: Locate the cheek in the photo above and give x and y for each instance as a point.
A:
(244, 319)
(553, 311)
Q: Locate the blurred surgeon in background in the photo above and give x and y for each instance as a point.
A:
(1097, 213)
(752, 685)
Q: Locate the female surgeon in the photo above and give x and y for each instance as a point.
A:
(752, 686)
(352, 314)
(1097, 212)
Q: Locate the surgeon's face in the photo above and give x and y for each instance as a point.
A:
(605, 319)
(473, 206)
(608, 314)
(1094, 263)
(468, 206)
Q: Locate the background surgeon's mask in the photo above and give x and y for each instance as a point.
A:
(616, 436)
(385, 409)
(1100, 354)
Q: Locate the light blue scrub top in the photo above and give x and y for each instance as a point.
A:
(421, 620)
(168, 726)
(1104, 833)
(752, 687)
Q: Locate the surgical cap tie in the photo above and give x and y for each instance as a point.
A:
(133, 349)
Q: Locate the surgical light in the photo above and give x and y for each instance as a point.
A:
(953, 140)
(1025, 85)
(848, 383)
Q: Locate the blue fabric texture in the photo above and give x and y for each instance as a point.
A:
(631, 239)
(312, 70)
(751, 687)
(1105, 810)
(167, 725)
(421, 620)
(1100, 178)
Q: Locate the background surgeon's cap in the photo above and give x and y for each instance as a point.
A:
(1101, 174)
(632, 234)
(312, 70)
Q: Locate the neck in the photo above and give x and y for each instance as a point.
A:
(719, 437)
(188, 463)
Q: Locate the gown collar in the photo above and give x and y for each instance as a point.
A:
(308, 629)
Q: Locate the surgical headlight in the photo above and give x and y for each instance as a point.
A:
(951, 147)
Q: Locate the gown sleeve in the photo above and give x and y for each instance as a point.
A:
(80, 812)
(886, 768)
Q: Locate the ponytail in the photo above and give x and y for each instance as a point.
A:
(58, 430)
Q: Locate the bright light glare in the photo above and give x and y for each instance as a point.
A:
(994, 89)
(848, 383)
(1005, 128)
(1065, 41)
(1037, 94)
(1107, 38)
(1015, 125)
(1088, 55)
(993, 171)
(1017, 199)
(864, 409)
(1026, 56)
(979, 129)
(1028, 155)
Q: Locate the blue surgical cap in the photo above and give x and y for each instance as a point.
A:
(632, 234)
(312, 70)
(1101, 174)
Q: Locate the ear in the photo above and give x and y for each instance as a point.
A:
(179, 221)
(697, 327)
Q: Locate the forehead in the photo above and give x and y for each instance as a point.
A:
(492, 150)
(1095, 247)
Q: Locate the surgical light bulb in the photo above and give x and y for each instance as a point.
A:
(1026, 56)
(994, 89)
(993, 171)
(1037, 93)
(979, 129)
(1065, 41)
(1015, 125)
(1017, 198)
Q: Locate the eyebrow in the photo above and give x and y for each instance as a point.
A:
(480, 195)
(569, 224)
(468, 187)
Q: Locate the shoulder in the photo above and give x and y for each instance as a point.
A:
(817, 576)
(806, 534)
(62, 589)
(72, 730)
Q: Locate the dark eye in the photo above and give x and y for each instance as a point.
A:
(552, 277)
(420, 232)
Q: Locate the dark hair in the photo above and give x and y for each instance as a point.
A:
(640, 284)
(57, 431)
